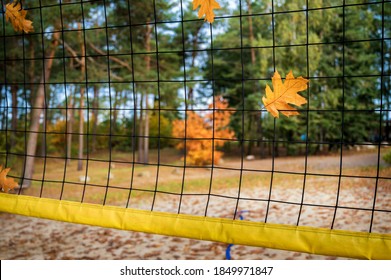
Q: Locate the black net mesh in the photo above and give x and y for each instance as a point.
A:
(91, 99)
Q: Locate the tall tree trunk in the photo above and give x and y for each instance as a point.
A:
(43, 135)
(32, 71)
(146, 130)
(36, 113)
(81, 111)
(70, 118)
(251, 32)
(388, 130)
(387, 88)
(193, 60)
(140, 154)
(115, 111)
(143, 153)
(46, 118)
(252, 117)
(14, 123)
(95, 111)
(1, 100)
(81, 130)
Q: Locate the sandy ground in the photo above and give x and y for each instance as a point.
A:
(32, 238)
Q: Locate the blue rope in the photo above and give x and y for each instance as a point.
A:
(228, 250)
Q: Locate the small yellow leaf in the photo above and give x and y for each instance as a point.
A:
(6, 184)
(17, 16)
(283, 94)
(206, 9)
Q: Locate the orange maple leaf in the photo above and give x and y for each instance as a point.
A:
(17, 16)
(206, 9)
(6, 184)
(285, 93)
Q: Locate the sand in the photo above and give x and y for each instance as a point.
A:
(32, 238)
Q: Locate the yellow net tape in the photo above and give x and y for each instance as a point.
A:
(295, 238)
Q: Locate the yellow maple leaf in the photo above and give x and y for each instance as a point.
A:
(206, 9)
(285, 93)
(17, 16)
(6, 184)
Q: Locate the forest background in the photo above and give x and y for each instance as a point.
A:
(102, 76)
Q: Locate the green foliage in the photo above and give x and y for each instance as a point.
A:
(344, 76)
(329, 93)
(160, 130)
(387, 157)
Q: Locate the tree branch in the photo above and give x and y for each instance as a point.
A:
(72, 51)
(117, 60)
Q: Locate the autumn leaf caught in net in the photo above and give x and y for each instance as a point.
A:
(206, 9)
(284, 94)
(6, 184)
(15, 14)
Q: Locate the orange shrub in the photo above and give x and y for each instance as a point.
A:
(204, 135)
